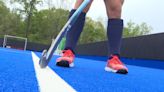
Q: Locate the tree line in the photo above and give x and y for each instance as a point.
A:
(41, 26)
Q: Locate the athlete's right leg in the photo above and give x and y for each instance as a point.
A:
(114, 33)
(72, 36)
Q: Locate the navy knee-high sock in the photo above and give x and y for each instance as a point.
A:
(114, 33)
(74, 33)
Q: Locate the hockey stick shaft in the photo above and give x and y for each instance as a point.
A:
(66, 28)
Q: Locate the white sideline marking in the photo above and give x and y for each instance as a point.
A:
(48, 80)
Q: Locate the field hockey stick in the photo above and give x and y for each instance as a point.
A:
(47, 55)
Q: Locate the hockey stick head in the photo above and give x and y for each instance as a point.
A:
(43, 61)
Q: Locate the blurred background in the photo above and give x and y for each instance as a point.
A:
(41, 20)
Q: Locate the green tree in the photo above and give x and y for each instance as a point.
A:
(93, 32)
(47, 24)
(132, 29)
(29, 7)
(10, 22)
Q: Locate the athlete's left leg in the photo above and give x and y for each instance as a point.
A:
(72, 36)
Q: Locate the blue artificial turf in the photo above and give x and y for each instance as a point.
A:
(17, 72)
(89, 76)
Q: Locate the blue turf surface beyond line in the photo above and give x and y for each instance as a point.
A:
(89, 76)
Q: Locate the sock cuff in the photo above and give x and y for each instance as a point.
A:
(115, 22)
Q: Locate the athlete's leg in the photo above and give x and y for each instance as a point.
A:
(115, 25)
(72, 37)
(114, 33)
(74, 34)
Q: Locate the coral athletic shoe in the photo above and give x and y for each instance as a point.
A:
(115, 65)
(67, 59)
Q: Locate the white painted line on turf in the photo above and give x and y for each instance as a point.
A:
(48, 80)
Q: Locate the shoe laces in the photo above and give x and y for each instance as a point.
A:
(67, 53)
(115, 60)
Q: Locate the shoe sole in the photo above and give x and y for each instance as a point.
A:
(121, 71)
(64, 64)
